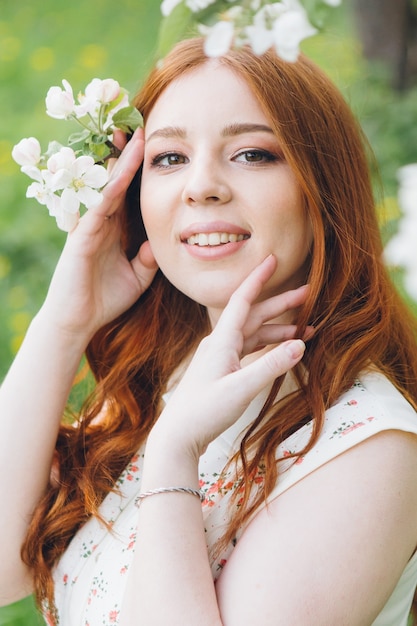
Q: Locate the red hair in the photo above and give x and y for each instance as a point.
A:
(358, 316)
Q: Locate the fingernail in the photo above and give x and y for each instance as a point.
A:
(295, 348)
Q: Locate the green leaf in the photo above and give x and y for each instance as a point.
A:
(211, 13)
(53, 148)
(173, 28)
(318, 12)
(77, 138)
(98, 139)
(98, 151)
(128, 119)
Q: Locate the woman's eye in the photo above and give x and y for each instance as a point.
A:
(255, 156)
(169, 159)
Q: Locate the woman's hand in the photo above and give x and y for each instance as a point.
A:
(218, 385)
(94, 281)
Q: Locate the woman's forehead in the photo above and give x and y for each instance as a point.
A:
(211, 93)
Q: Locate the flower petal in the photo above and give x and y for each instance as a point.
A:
(89, 197)
(37, 191)
(59, 180)
(63, 159)
(260, 39)
(219, 39)
(168, 6)
(27, 151)
(33, 172)
(67, 221)
(70, 201)
(96, 176)
(289, 30)
(81, 165)
(60, 102)
(53, 202)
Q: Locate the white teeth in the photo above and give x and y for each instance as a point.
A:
(202, 239)
(214, 239)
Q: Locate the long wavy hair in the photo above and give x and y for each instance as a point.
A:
(358, 317)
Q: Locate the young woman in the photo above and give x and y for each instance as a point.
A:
(260, 233)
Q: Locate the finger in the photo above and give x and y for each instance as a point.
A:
(264, 370)
(119, 140)
(274, 308)
(280, 304)
(237, 310)
(123, 172)
(144, 265)
(268, 334)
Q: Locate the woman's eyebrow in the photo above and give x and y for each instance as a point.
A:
(168, 132)
(239, 129)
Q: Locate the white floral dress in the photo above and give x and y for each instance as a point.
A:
(91, 576)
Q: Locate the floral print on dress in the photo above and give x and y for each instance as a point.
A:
(346, 428)
(87, 549)
(216, 486)
(131, 473)
(292, 454)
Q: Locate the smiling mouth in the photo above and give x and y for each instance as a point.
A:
(214, 239)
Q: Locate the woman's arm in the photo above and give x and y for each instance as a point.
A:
(92, 284)
(331, 549)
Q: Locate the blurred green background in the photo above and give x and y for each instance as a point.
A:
(42, 43)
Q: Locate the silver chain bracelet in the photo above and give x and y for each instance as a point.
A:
(154, 492)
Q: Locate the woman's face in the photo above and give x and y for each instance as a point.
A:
(217, 196)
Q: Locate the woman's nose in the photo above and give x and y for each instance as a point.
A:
(206, 184)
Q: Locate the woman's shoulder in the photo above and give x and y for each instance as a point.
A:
(372, 405)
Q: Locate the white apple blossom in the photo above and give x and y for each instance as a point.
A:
(401, 249)
(79, 178)
(97, 93)
(60, 102)
(65, 183)
(27, 151)
(44, 195)
(290, 29)
(66, 221)
(168, 6)
(198, 5)
(282, 25)
(104, 91)
(66, 177)
(219, 39)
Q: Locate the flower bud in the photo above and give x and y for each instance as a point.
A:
(60, 102)
(103, 91)
(27, 151)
